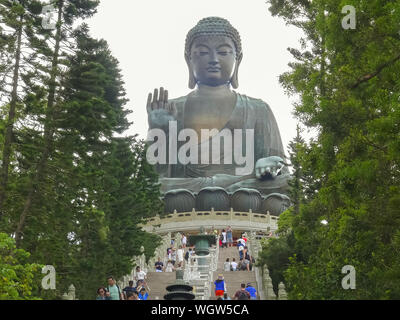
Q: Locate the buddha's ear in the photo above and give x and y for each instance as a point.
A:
(235, 76)
(192, 79)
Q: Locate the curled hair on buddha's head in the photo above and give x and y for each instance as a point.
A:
(214, 26)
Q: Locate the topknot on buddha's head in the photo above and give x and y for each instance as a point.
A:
(213, 26)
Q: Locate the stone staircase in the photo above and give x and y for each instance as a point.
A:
(233, 279)
(157, 281)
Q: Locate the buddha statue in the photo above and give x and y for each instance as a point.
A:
(215, 111)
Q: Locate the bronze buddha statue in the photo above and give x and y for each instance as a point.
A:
(213, 53)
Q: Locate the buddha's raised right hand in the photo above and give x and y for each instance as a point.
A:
(159, 110)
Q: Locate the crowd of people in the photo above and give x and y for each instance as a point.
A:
(136, 290)
(245, 262)
(175, 259)
(246, 292)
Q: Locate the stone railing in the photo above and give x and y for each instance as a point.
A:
(140, 260)
(71, 293)
(263, 278)
(254, 246)
(201, 277)
(185, 221)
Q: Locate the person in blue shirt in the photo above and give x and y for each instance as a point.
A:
(253, 292)
(220, 286)
(143, 295)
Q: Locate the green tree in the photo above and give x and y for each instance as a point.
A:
(348, 87)
(18, 278)
(77, 189)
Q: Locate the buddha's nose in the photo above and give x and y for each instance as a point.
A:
(213, 59)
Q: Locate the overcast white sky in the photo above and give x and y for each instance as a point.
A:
(148, 36)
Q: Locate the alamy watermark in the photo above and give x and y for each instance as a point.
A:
(349, 281)
(49, 280)
(349, 21)
(188, 153)
(48, 12)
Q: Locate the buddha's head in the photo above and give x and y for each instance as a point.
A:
(213, 52)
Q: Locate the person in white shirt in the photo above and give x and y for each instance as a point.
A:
(140, 274)
(169, 267)
(184, 240)
(179, 254)
(223, 238)
(233, 265)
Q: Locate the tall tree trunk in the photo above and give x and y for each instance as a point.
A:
(48, 131)
(10, 120)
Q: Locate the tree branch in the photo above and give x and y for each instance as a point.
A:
(369, 76)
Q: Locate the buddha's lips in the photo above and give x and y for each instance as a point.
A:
(213, 69)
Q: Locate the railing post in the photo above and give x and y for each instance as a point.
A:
(282, 295)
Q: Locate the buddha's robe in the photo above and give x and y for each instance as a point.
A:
(249, 113)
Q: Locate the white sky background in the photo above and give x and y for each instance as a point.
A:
(148, 37)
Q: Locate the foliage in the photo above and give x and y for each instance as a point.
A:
(348, 88)
(17, 276)
(76, 188)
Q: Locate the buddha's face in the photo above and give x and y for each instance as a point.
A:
(212, 59)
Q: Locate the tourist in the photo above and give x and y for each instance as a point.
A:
(188, 254)
(226, 297)
(179, 255)
(129, 288)
(220, 287)
(169, 253)
(132, 296)
(140, 285)
(246, 258)
(102, 294)
(114, 290)
(234, 265)
(173, 256)
(170, 267)
(242, 241)
(229, 236)
(223, 238)
(159, 265)
(241, 266)
(242, 294)
(240, 247)
(227, 265)
(140, 274)
(253, 292)
(143, 295)
(184, 240)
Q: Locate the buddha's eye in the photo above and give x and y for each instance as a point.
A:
(223, 53)
(203, 53)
